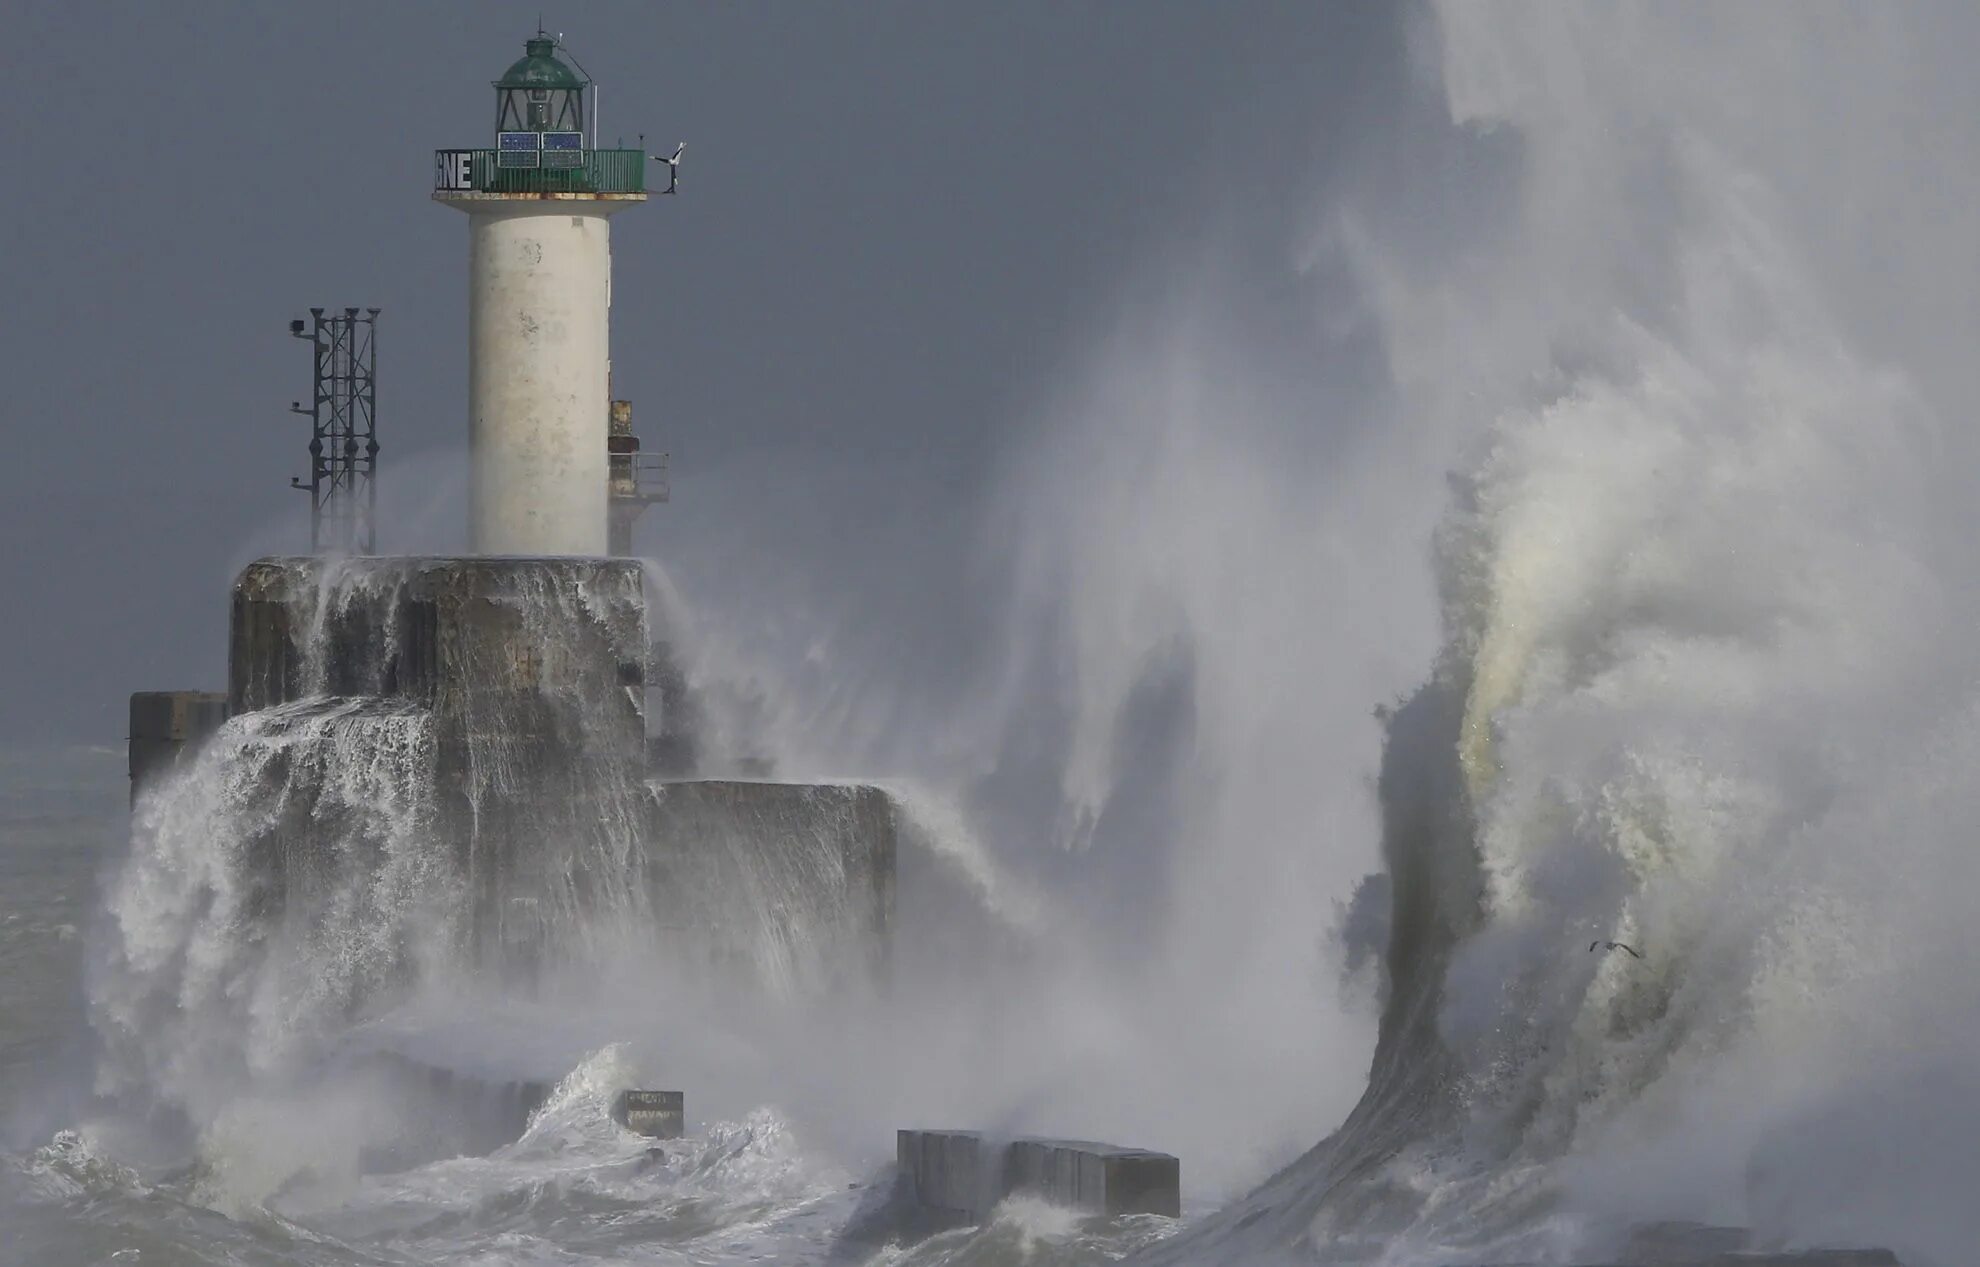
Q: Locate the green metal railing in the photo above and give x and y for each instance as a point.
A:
(601, 172)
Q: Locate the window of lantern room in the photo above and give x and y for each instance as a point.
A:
(539, 109)
(566, 110)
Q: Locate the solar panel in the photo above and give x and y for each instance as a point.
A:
(518, 158)
(563, 158)
(563, 140)
(515, 141)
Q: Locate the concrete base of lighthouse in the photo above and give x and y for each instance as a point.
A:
(539, 370)
(526, 677)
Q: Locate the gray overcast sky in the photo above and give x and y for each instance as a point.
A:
(897, 222)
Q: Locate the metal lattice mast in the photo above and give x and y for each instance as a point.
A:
(343, 444)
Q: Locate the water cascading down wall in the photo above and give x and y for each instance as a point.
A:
(528, 675)
(434, 778)
(432, 783)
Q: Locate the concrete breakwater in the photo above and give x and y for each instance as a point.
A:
(166, 726)
(430, 780)
(965, 1173)
(534, 780)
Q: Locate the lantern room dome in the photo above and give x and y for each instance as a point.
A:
(540, 67)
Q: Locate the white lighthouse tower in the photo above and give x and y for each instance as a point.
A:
(539, 208)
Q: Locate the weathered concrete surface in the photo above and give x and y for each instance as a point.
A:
(167, 725)
(1099, 1177)
(533, 673)
(654, 1114)
(476, 638)
(791, 881)
(949, 1171)
(966, 1174)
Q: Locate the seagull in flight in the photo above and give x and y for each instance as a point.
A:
(1614, 945)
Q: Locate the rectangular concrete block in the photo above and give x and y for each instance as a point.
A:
(1103, 1178)
(483, 641)
(529, 676)
(963, 1173)
(946, 1171)
(529, 680)
(165, 725)
(654, 1114)
(791, 884)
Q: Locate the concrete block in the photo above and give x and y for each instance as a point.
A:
(963, 1173)
(948, 1171)
(530, 676)
(654, 1114)
(789, 883)
(515, 649)
(1103, 1178)
(166, 725)
(531, 672)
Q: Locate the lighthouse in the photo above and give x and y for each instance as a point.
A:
(539, 206)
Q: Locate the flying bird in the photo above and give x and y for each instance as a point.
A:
(1614, 945)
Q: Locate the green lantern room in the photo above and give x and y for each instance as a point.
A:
(542, 147)
(540, 94)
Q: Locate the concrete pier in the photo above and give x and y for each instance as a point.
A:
(964, 1174)
(533, 675)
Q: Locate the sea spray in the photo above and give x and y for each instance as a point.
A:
(233, 947)
(1703, 581)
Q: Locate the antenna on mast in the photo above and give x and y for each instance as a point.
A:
(343, 441)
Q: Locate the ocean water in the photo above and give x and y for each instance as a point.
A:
(62, 820)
